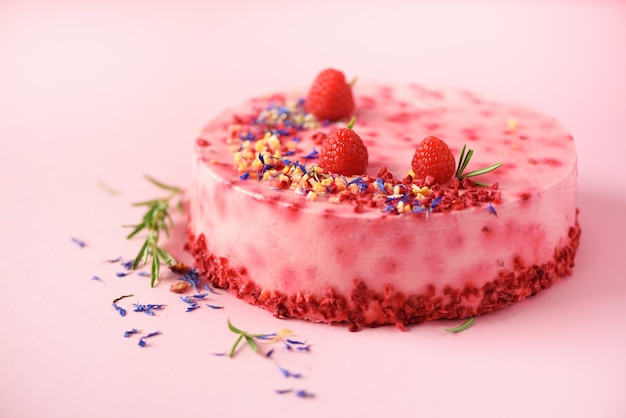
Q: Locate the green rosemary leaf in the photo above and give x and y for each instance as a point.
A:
(143, 255)
(251, 342)
(163, 185)
(481, 171)
(137, 229)
(234, 328)
(154, 271)
(166, 256)
(466, 161)
(459, 170)
(234, 347)
(151, 202)
(463, 326)
(169, 222)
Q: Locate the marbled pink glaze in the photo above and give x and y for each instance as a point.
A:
(288, 244)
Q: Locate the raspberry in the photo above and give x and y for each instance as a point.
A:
(433, 158)
(330, 97)
(343, 152)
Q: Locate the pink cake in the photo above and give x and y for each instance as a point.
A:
(276, 230)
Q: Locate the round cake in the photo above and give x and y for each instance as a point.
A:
(273, 225)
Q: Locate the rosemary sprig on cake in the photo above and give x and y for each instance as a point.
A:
(156, 221)
(464, 159)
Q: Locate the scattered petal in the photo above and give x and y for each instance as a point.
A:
(210, 289)
(287, 373)
(79, 242)
(283, 391)
(142, 342)
(492, 210)
(130, 332)
(147, 309)
(121, 310)
(128, 265)
(304, 394)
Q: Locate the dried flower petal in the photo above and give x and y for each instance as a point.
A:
(142, 342)
(79, 242)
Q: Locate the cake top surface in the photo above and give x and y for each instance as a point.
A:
(255, 144)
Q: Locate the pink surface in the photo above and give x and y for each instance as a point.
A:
(94, 96)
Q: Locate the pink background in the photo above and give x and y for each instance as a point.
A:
(94, 95)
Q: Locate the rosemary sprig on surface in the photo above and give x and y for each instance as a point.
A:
(243, 335)
(465, 325)
(156, 220)
(464, 159)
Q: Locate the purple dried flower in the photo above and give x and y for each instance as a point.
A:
(142, 342)
(130, 332)
(79, 242)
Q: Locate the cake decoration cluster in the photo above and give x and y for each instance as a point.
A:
(266, 146)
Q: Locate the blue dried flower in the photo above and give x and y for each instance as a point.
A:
(79, 242)
(128, 265)
(287, 373)
(142, 342)
(210, 289)
(492, 210)
(130, 332)
(313, 154)
(121, 310)
(283, 391)
(304, 394)
(381, 185)
(147, 309)
(360, 183)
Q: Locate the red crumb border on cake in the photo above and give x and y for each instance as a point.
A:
(364, 307)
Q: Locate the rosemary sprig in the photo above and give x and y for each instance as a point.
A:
(156, 220)
(463, 326)
(243, 335)
(464, 159)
